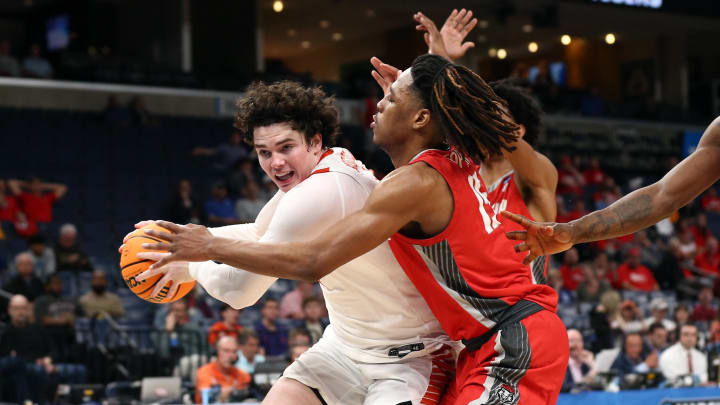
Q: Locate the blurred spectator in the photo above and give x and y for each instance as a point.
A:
(650, 252)
(184, 208)
(8, 204)
(687, 244)
(581, 364)
(43, 256)
(297, 350)
(704, 311)
(700, 231)
(23, 226)
(268, 189)
(635, 276)
(227, 326)
(25, 355)
(68, 254)
(630, 360)
(570, 180)
(314, 323)
(592, 287)
(249, 354)
(139, 114)
(594, 175)
(232, 382)
(243, 173)
(37, 198)
(669, 272)
(591, 104)
(273, 338)
(226, 154)
(683, 358)
(115, 113)
(572, 273)
(555, 280)
(630, 320)
(601, 318)
(8, 64)
(248, 207)
(183, 336)
(708, 259)
(606, 270)
(25, 283)
(681, 317)
(658, 314)
(219, 209)
(657, 338)
(713, 341)
(606, 194)
(711, 201)
(57, 315)
(577, 211)
(99, 300)
(299, 337)
(35, 65)
(291, 305)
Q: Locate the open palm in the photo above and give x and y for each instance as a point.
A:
(457, 26)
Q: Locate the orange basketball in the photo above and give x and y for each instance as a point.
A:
(131, 266)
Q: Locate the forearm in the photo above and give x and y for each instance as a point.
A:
(236, 287)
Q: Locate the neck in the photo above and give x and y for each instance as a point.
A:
(223, 368)
(401, 153)
(493, 169)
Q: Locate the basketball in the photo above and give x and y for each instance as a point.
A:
(131, 266)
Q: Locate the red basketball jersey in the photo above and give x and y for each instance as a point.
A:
(503, 195)
(469, 274)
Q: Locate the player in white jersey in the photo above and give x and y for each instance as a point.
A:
(377, 349)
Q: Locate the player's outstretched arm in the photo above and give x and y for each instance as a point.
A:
(448, 42)
(536, 171)
(635, 211)
(401, 198)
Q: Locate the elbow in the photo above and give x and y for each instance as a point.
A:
(311, 269)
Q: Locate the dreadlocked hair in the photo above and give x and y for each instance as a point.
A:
(471, 115)
(523, 107)
(306, 109)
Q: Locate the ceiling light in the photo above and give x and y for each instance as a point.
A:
(492, 52)
(305, 44)
(324, 24)
(483, 23)
(370, 13)
(278, 6)
(533, 47)
(565, 39)
(610, 38)
(527, 28)
(291, 32)
(337, 36)
(501, 53)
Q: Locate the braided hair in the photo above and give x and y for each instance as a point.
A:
(471, 115)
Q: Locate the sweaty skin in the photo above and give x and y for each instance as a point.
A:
(635, 211)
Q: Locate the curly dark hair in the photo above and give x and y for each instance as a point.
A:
(306, 109)
(523, 107)
(470, 113)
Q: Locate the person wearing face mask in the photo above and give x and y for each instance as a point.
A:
(99, 300)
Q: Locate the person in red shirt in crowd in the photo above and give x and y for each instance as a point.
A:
(577, 211)
(710, 202)
(704, 311)
(228, 326)
(700, 231)
(8, 204)
(594, 175)
(570, 180)
(291, 304)
(634, 276)
(37, 198)
(572, 273)
(709, 258)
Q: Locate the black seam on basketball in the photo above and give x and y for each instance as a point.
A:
(134, 263)
(147, 237)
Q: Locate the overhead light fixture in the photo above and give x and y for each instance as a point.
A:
(278, 6)
(483, 24)
(565, 39)
(324, 24)
(533, 47)
(492, 52)
(291, 32)
(610, 38)
(337, 36)
(501, 53)
(305, 44)
(527, 28)
(370, 13)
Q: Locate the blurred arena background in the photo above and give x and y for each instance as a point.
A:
(116, 111)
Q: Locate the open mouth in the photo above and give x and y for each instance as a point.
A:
(285, 176)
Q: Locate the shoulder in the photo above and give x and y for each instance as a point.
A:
(418, 177)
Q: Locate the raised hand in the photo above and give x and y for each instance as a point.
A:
(433, 38)
(384, 74)
(457, 26)
(177, 272)
(185, 243)
(540, 239)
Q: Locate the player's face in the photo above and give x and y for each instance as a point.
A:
(395, 113)
(284, 155)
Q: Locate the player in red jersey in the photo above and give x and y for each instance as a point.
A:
(435, 209)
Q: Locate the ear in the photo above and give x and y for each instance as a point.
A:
(521, 131)
(315, 145)
(421, 119)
